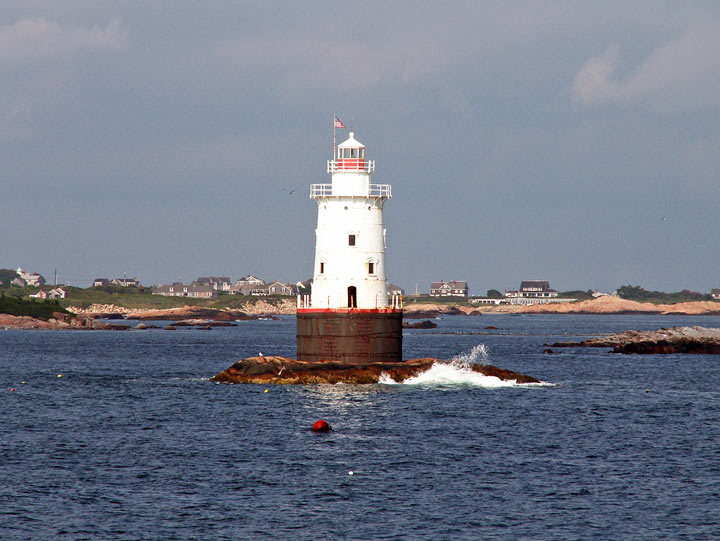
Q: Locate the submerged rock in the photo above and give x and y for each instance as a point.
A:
(203, 323)
(664, 341)
(281, 370)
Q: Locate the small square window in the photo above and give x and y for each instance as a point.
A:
(351, 240)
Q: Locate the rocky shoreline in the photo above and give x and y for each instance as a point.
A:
(59, 322)
(247, 310)
(609, 304)
(284, 371)
(699, 340)
(86, 318)
(602, 305)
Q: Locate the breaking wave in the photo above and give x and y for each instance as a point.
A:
(458, 371)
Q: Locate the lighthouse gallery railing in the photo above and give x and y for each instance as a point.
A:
(374, 190)
(350, 165)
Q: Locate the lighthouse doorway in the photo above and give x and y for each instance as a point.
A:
(352, 297)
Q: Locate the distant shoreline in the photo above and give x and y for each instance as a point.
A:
(607, 305)
(601, 305)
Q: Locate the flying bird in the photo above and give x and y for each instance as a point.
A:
(290, 192)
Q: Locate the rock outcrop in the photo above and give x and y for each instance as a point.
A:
(191, 313)
(281, 370)
(431, 311)
(203, 323)
(664, 341)
(427, 324)
(60, 321)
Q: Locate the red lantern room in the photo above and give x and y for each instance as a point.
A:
(351, 155)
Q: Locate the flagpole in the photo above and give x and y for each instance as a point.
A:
(334, 139)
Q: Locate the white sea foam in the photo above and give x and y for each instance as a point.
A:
(458, 371)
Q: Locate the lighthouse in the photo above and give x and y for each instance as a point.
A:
(348, 316)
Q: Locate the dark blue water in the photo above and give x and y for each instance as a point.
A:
(133, 442)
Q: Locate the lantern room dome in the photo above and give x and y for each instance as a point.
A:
(351, 142)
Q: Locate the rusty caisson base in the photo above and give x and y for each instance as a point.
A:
(357, 336)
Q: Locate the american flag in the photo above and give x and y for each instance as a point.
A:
(338, 122)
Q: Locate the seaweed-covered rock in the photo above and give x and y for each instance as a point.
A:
(427, 324)
(663, 341)
(281, 370)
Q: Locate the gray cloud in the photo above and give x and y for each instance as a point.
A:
(679, 74)
(37, 40)
(37, 58)
(522, 140)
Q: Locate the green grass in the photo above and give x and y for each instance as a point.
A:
(640, 294)
(578, 294)
(142, 298)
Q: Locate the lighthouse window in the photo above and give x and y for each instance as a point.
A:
(371, 268)
(322, 268)
(351, 240)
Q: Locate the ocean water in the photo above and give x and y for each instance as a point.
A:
(134, 441)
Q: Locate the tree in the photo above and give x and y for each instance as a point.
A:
(7, 276)
(494, 294)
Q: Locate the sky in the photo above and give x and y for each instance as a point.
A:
(576, 142)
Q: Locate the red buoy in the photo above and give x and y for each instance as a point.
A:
(321, 426)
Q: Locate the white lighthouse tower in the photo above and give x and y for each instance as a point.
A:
(349, 315)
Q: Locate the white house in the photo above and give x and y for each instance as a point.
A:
(57, 293)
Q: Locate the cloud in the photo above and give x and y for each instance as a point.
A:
(681, 74)
(37, 59)
(32, 41)
(314, 61)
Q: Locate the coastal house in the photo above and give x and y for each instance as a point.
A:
(30, 278)
(534, 292)
(531, 289)
(274, 288)
(250, 280)
(277, 288)
(178, 289)
(57, 293)
(218, 283)
(715, 293)
(455, 288)
(126, 282)
(39, 295)
(100, 282)
(487, 300)
(246, 285)
(245, 289)
(392, 290)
